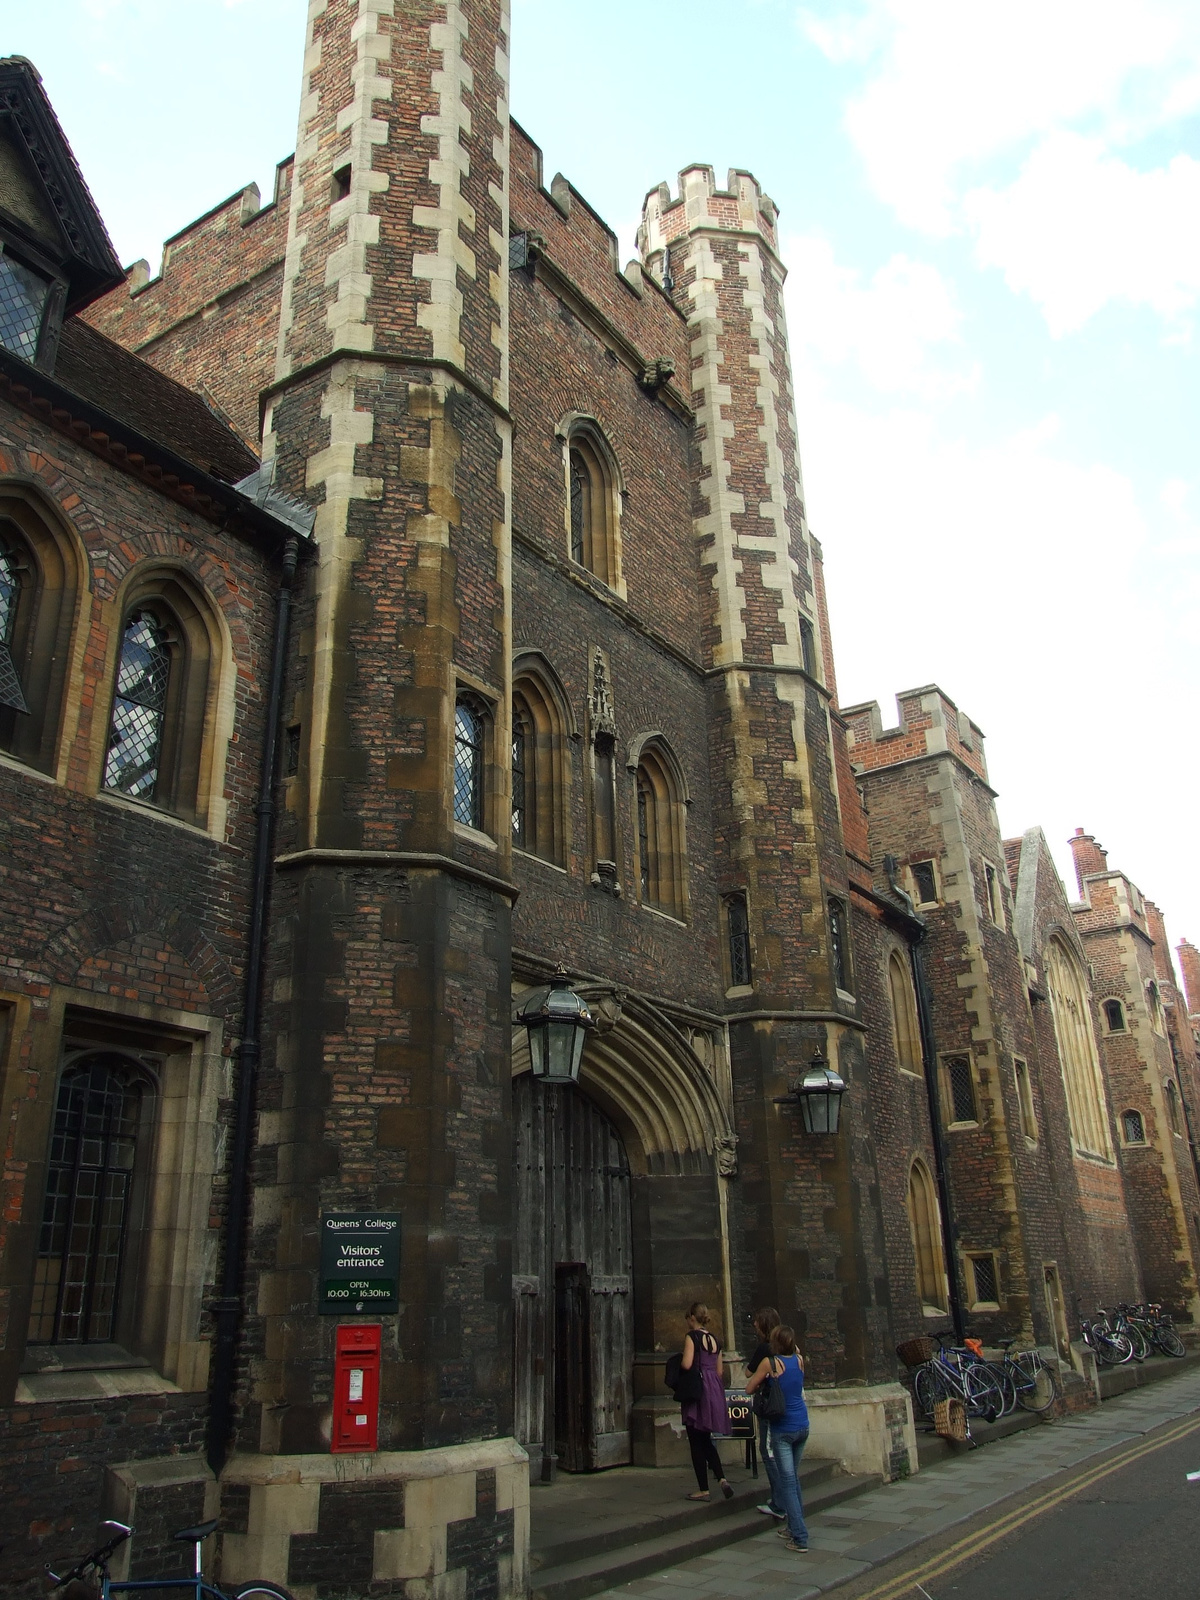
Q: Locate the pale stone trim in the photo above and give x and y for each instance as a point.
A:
(442, 315)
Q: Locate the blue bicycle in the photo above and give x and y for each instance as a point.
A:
(89, 1579)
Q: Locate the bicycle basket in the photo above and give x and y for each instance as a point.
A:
(950, 1420)
(916, 1352)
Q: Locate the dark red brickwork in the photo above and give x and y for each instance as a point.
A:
(218, 292)
(106, 898)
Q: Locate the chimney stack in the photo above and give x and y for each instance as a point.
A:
(1089, 858)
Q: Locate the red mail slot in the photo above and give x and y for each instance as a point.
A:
(356, 1359)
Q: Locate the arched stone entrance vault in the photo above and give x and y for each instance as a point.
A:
(628, 1170)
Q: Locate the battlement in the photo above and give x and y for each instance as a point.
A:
(930, 724)
(1107, 896)
(741, 207)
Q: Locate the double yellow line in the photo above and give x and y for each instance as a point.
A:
(954, 1555)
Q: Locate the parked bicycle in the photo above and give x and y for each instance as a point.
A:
(1110, 1346)
(1157, 1327)
(89, 1579)
(1034, 1383)
(952, 1373)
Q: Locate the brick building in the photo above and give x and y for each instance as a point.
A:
(555, 686)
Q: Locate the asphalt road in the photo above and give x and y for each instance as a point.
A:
(1124, 1526)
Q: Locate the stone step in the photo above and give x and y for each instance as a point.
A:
(726, 1523)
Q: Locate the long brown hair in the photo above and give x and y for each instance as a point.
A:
(699, 1312)
(783, 1341)
(766, 1320)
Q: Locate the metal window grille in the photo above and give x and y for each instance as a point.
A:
(962, 1088)
(925, 882)
(739, 940)
(84, 1217)
(580, 486)
(139, 709)
(983, 1270)
(22, 302)
(1135, 1128)
(518, 783)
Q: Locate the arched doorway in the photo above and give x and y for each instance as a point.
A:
(572, 1229)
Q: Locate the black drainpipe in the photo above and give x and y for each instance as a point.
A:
(918, 928)
(228, 1306)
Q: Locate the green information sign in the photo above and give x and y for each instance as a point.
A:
(360, 1263)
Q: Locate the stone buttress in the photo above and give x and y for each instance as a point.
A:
(391, 923)
(806, 1233)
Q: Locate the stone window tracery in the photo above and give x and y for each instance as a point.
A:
(660, 831)
(38, 592)
(539, 761)
(593, 503)
(905, 1028)
(1087, 1107)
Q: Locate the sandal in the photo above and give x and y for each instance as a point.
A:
(700, 1494)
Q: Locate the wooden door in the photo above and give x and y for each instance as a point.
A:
(572, 1229)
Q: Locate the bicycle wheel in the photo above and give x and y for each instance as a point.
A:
(1004, 1381)
(258, 1589)
(1123, 1345)
(984, 1397)
(928, 1389)
(1036, 1385)
(1141, 1345)
(1169, 1342)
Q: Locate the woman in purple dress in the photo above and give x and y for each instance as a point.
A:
(709, 1414)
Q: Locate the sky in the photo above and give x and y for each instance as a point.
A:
(991, 218)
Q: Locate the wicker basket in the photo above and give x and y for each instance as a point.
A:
(916, 1352)
(950, 1420)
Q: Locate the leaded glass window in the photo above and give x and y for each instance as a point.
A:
(925, 882)
(581, 487)
(987, 1289)
(11, 694)
(519, 744)
(86, 1211)
(468, 765)
(139, 709)
(1133, 1126)
(645, 801)
(22, 304)
(962, 1088)
(739, 940)
(837, 944)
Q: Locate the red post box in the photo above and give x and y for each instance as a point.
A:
(357, 1354)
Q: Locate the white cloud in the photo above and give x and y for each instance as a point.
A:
(954, 84)
(891, 326)
(1079, 228)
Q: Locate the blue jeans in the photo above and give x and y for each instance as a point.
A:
(774, 1499)
(787, 1448)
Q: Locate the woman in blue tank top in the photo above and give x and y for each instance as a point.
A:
(789, 1433)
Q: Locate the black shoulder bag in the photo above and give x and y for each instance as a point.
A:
(685, 1382)
(770, 1403)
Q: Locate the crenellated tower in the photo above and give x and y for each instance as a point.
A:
(389, 1088)
(775, 790)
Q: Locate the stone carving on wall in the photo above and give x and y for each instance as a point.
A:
(600, 703)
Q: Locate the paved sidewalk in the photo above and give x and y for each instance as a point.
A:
(878, 1525)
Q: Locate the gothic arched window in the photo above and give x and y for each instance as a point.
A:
(469, 729)
(81, 1252)
(139, 708)
(38, 586)
(1087, 1109)
(905, 1026)
(1114, 1016)
(593, 504)
(660, 831)
(166, 746)
(925, 1225)
(540, 727)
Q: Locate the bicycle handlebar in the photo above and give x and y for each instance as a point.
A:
(98, 1558)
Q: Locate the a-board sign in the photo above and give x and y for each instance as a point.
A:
(741, 1414)
(360, 1263)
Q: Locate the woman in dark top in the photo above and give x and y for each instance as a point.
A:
(709, 1414)
(790, 1434)
(765, 1322)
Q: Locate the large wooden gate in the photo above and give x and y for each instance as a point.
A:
(573, 1239)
